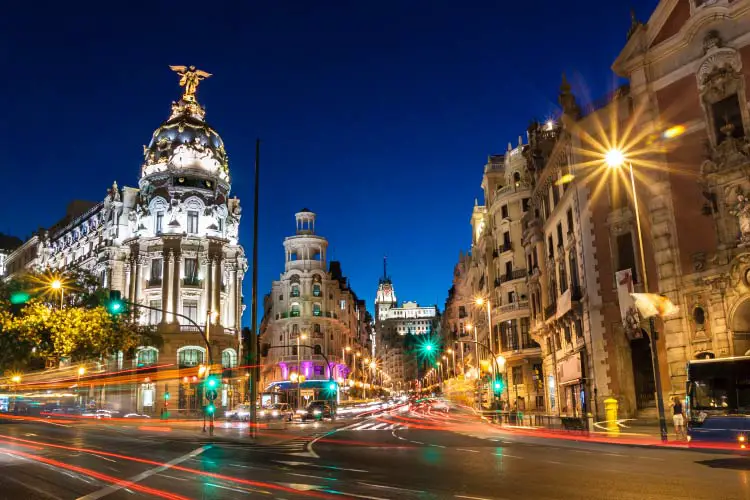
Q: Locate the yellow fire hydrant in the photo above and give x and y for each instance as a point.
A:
(610, 411)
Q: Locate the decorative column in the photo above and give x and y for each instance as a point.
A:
(168, 259)
(216, 305)
(138, 287)
(205, 300)
(238, 302)
(176, 282)
(228, 321)
(130, 278)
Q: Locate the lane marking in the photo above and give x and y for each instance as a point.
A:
(173, 477)
(236, 488)
(104, 458)
(310, 475)
(472, 498)
(437, 445)
(143, 475)
(331, 467)
(377, 427)
(652, 458)
(345, 494)
(417, 442)
(390, 487)
(464, 449)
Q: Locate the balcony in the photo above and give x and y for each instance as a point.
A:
(507, 247)
(514, 306)
(192, 282)
(516, 274)
(294, 314)
(498, 281)
(153, 282)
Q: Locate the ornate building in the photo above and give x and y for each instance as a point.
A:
(689, 68)
(170, 244)
(315, 309)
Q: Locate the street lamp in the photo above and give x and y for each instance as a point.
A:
(16, 379)
(57, 284)
(300, 337)
(81, 372)
(453, 354)
(615, 159)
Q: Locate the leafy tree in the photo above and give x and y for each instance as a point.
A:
(81, 330)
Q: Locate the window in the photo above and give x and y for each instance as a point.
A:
(699, 316)
(190, 309)
(192, 222)
(146, 356)
(570, 221)
(154, 314)
(555, 195)
(316, 310)
(549, 345)
(229, 358)
(295, 291)
(295, 311)
(559, 234)
(316, 290)
(506, 241)
(342, 304)
(727, 112)
(550, 247)
(317, 349)
(191, 271)
(504, 211)
(573, 270)
(526, 341)
(220, 223)
(563, 276)
(517, 375)
(159, 222)
(525, 204)
(516, 179)
(190, 356)
(508, 270)
(626, 254)
(316, 328)
(566, 330)
(318, 370)
(578, 324)
(156, 269)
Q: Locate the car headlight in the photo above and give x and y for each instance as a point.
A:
(301, 412)
(316, 412)
(275, 413)
(263, 413)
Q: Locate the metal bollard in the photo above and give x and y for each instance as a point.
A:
(610, 411)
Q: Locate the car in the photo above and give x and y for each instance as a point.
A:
(439, 404)
(278, 411)
(317, 410)
(241, 412)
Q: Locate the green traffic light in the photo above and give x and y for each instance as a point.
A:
(428, 347)
(332, 387)
(19, 298)
(212, 383)
(210, 409)
(498, 386)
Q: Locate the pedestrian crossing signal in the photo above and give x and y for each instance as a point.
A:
(210, 409)
(115, 305)
(498, 386)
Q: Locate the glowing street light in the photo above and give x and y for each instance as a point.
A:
(57, 284)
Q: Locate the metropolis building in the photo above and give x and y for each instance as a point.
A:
(170, 244)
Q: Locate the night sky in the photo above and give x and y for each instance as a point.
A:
(376, 115)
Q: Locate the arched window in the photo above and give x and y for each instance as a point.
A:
(316, 290)
(699, 316)
(316, 328)
(146, 356)
(190, 356)
(229, 358)
(295, 291)
(516, 179)
(318, 350)
(295, 310)
(316, 309)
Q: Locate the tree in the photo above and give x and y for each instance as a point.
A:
(81, 330)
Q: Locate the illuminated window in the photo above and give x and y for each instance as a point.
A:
(229, 358)
(154, 314)
(316, 290)
(190, 356)
(159, 223)
(146, 356)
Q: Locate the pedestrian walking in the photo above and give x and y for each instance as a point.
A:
(678, 418)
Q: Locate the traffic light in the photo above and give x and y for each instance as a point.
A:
(332, 388)
(212, 382)
(18, 300)
(166, 396)
(115, 305)
(210, 409)
(498, 386)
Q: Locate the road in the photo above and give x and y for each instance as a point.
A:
(411, 453)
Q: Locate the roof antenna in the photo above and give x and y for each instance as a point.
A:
(385, 274)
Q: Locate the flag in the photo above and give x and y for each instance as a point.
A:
(651, 304)
(631, 320)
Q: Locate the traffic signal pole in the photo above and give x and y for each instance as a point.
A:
(254, 337)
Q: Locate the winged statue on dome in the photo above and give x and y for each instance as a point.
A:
(190, 77)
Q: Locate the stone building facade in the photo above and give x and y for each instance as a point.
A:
(689, 68)
(170, 244)
(311, 305)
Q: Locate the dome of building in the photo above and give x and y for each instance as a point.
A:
(185, 141)
(183, 130)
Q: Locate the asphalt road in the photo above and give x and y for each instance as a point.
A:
(411, 454)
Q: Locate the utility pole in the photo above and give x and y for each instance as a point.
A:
(254, 338)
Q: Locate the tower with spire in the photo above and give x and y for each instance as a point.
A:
(385, 299)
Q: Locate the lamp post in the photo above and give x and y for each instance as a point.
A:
(56, 284)
(453, 355)
(300, 337)
(16, 379)
(81, 372)
(615, 159)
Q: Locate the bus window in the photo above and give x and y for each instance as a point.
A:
(710, 394)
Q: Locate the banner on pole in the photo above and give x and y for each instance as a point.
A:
(631, 320)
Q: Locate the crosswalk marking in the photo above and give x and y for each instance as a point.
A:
(379, 426)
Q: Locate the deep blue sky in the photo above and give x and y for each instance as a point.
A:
(377, 115)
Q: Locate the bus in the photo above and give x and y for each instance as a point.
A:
(718, 401)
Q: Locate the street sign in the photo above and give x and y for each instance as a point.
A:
(211, 394)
